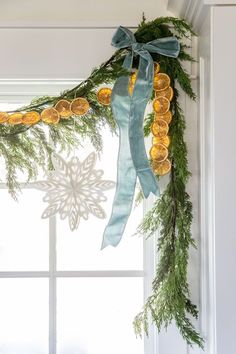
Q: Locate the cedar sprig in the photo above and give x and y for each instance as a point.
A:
(171, 217)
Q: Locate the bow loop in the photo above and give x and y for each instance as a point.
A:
(168, 46)
(123, 38)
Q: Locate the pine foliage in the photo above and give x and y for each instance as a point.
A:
(171, 215)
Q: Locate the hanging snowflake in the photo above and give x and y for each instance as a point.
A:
(74, 190)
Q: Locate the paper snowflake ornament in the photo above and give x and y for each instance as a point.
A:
(74, 190)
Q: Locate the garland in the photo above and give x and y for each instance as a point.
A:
(25, 147)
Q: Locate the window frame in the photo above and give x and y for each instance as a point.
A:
(20, 91)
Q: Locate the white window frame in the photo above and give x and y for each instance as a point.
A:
(20, 91)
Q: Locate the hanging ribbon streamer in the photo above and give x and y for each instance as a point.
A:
(129, 112)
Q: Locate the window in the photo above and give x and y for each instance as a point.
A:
(59, 293)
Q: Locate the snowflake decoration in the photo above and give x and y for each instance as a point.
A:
(74, 190)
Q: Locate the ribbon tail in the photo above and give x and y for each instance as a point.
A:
(141, 94)
(148, 183)
(123, 201)
(126, 174)
(122, 206)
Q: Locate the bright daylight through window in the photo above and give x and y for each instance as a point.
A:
(59, 293)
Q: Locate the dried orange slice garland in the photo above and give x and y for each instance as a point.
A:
(51, 115)
(65, 109)
(161, 105)
(161, 165)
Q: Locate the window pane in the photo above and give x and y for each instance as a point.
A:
(24, 316)
(24, 235)
(95, 315)
(80, 250)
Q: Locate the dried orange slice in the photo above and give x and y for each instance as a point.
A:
(159, 128)
(3, 117)
(31, 117)
(131, 89)
(159, 152)
(50, 115)
(161, 168)
(168, 93)
(15, 118)
(104, 96)
(161, 81)
(165, 140)
(166, 117)
(63, 108)
(79, 106)
(161, 105)
(156, 68)
(133, 78)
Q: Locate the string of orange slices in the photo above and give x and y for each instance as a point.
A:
(80, 106)
(161, 165)
(51, 115)
(162, 117)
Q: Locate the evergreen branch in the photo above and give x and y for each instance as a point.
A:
(139, 198)
(161, 27)
(171, 215)
(147, 124)
(182, 77)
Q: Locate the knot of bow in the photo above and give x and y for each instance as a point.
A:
(167, 46)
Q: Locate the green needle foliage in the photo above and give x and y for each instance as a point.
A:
(171, 215)
(28, 149)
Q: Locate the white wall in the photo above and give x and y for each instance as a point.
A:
(218, 146)
(206, 185)
(95, 13)
(170, 341)
(223, 109)
(63, 39)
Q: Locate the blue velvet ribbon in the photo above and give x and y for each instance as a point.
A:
(129, 112)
